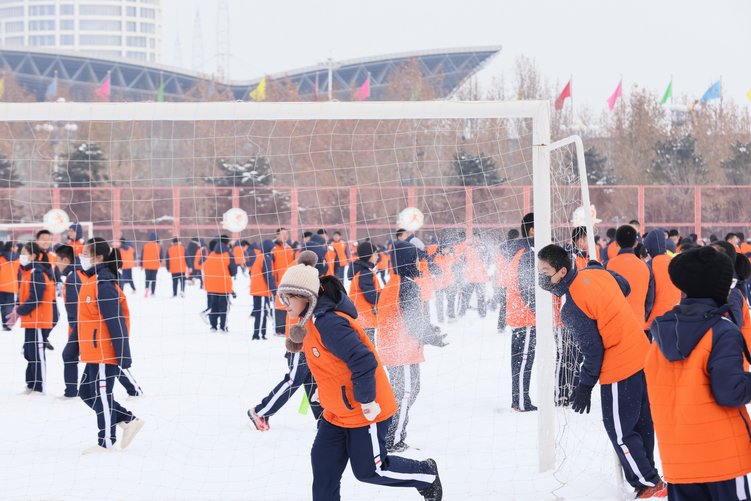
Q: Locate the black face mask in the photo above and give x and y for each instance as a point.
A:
(546, 283)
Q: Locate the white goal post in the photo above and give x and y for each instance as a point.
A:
(537, 111)
(87, 225)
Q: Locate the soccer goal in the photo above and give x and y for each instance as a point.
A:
(170, 171)
(24, 232)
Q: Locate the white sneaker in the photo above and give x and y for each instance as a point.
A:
(131, 398)
(182, 294)
(67, 399)
(212, 330)
(26, 391)
(36, 393)
(97, 449)
(205, 316)
(130, 430)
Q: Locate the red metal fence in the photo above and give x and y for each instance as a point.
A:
(366, 211)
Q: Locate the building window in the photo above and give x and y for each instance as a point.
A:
(148, 13)
(14, 27)
(100, 40)
(135, 41)
(130, 11)
(14, 41)
(152, 57)
(11, 12)
(42, 40)
(67, 25)
(42, 26)
(154, 2)
(152, 43)
(130, 26)
(67, 10)
(100, 10)
(105, 53)
(100, 25)
(42, 10)
(136, 55)
(148, 28)
(67, 40)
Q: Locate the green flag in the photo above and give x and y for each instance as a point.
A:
(160, 94)
(415, 95)
(668, 93)
(304, 405)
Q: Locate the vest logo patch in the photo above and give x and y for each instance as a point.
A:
(88, 299)
(316, 353)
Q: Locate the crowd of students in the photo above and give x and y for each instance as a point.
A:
(661, 322)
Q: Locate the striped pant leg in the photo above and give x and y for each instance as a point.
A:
(405, 383)
(35, 355)
(523, 344)
(735, 489)
(129, 383)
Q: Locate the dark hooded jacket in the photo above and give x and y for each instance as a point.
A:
(317, 244)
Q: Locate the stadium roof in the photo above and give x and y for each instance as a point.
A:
(139, 81)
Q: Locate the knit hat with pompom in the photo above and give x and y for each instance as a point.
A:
(301, 280)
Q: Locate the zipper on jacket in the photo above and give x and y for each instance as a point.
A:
(748, 430)
(344, 398)
(94, 338)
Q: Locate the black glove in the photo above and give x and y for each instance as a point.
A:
(434, 337)
(581, 398)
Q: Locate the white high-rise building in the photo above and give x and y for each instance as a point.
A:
(126, 28)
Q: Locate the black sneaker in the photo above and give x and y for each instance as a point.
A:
(49, 346)
(433, 492)
(397, 448)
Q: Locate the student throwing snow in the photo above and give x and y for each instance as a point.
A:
(352, 388)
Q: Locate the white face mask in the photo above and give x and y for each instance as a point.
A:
(86, 263)
(23, 259)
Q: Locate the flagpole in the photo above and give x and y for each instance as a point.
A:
(671, 89)
(571, 91)
(331, 72)
(109, 84)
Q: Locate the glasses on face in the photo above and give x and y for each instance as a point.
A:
(284, 300)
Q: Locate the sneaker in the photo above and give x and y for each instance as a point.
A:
(261, 423)
(146, 293)
(26, 391)
(397, 448)
(527, 408)
(182, 294)
(213, 329)
(658, 491)
(224, 329)
(433, 492)
(63, 398)
(130, 430)
(48, 346)
(97, 449)
(280, 334)
(131, 398)
(452, 320)
(205, 316)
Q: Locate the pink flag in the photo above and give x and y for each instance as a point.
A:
(104, 90)
(364, 91)
(616, 95)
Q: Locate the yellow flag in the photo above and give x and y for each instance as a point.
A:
(749, 94)
(519, 95)
(2, 87)
(260, 93)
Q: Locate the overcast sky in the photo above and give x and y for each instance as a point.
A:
(596, 41)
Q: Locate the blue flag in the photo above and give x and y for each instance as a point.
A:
(51, 89)
(712, 93)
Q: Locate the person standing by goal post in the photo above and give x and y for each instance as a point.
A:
(614, 346)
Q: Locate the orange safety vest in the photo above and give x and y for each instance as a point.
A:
(239, 254)
(518, 313)
(258, 285)
(667, 295)
(744, 248)
(330, 260)
(41, 316)
(151, 253)
(176, 259)
(94, 338)
(128, 257)
(396, 346)
(334, 379)
(613, 249)
(444, 262)
(365, 316)
(699, 440)
(340, 248)
(597, 294)
(384, 261)
(637, 275)
(459, 249)
(475, 271)
(216, 277)
(9, 275)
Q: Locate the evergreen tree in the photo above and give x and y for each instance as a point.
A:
(253, 172)
(678, 163)
(738, 167)
(476, 170)
(83, 167)
(9, 177)
(599, 170)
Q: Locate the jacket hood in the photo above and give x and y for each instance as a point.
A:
(79, 230)
(267, 246)
(361, 265)
(403, 259)
(511, 247)
(345, 305)
(126, 245)
(221, 248)
(679, 331)
(655, 243)
(153, 237)
(318, 245)
(254, 246)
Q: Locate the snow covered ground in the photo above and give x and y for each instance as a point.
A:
(198, 442)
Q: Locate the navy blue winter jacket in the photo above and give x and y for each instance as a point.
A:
(366, 282)
(72, 286)
(317, 244)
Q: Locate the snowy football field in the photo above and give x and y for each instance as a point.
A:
(199, 444)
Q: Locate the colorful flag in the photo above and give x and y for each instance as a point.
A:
(160, 92)
(668, 93)
(363, 92)
(749, 94)
(259, 94)
(616, 95)
(51, 89)
(566, 93)
(519, 95)
(415, 95)
(315, 89)
(713, 92)
(104, 90)
(2, 87)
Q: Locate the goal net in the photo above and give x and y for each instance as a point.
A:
(144, 172)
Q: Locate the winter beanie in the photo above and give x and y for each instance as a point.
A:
(702, 273)
(365, 251)
(301, 280)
